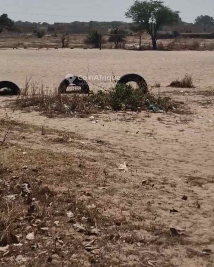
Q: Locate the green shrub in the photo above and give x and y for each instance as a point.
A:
(40, 34)
(93, 38)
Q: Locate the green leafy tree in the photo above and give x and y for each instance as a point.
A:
(117, 37)
(40, 34)
(204, 21)
(151, 16)
(5, 22)
(93, 38)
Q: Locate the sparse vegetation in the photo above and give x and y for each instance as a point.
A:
(186, 82)
(93, 38)
(157, 85)
(40, 34)
(117, 37)
(123, 97)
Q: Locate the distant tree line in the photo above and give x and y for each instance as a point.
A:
(204, 21)
(148, 16)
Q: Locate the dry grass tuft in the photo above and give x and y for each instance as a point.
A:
(186, 82)
(156, 85)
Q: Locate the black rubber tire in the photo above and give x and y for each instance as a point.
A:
(10, 85)
(77, 82)
(139, 80)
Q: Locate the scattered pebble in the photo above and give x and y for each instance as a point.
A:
(70, 214)
(123, 167)
(56, 223)
(30, 236)
(4, 249)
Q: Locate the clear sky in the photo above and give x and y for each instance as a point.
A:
(86, 10)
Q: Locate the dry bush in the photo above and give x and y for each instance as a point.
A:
(178, 45)
(122, 97)
(161, 46)
(209, 46)
(53, 104)
(171, 45)
(186, 82)
(195, 45)
(156, 85)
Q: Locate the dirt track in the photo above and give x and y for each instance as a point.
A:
(168, 156)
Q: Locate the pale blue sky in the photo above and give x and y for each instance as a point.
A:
(86, 10)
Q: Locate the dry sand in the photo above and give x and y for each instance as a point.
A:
(51, 66)
(173, 155)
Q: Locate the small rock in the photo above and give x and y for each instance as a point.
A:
(123, 167)
(93, 231)
(184, 198)
(4, 249)
(70, 214)
(55, 256)
(30, 236)
(56, 223)
(20, 258)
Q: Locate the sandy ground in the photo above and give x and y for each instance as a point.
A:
(170, 157)
(49, 67)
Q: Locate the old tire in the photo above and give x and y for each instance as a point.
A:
(139, 80)
(13, 89)
(77, 81)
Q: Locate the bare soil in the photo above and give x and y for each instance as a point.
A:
(49, 67)
(84, 210)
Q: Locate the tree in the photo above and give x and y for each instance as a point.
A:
(117, 37)
(139, 30)
(151, 16)
(65, 39)
(93, 38)
(204, 21)
(40, 34)
(5, 22)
